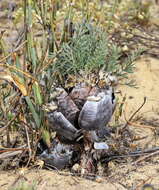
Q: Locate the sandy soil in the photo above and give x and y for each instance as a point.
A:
(121, 176)
(147, 80)
(48, 180)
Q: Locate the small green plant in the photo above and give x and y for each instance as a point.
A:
(24, 186)
(91, 51)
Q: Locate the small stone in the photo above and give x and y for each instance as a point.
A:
(140, 16)
(148, 187)
(100, 146)
(22, 171)
(99, 179)
(76, 167)
(125, 48)
(123, 34)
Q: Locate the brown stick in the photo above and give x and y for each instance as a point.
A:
(138, 187)
(145, 157)
(139, 125)
(132, 116)
(9, 154)
(9, 123)
(29, 147)
(12, 149)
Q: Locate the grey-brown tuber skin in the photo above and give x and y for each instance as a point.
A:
(62, 126)
(96, 113)
(59, 156)
(86, 113)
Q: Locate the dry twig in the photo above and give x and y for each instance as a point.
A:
(145, 157)
(132, 116)
(10, 154)
(148, 180)
(140, 126)
(29, 147)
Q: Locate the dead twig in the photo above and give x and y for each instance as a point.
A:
(148, 180)
(4, 58)
(10, 154)
(145, 157)
(29, 147)
(140, 126)
(133, 154)
(132, 116)
(12, 149)
(9, 123)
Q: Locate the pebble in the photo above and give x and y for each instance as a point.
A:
(99, 179)
(76, 167)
